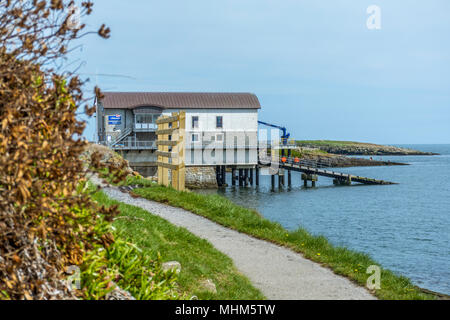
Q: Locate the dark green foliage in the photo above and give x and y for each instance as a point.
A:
(126, 265)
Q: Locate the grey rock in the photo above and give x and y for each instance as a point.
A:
(172, 265)
(208, 285)
(201, 177)
(119, 294)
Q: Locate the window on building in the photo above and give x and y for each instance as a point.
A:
(219, 122)
(146, 118)
(194, 137)
(194, 122)
(219, 137)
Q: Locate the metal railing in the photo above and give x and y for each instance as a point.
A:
(131, 144)
(122, 136)
(278, 144)
(145, 127)
(310, 163)
(217, 145)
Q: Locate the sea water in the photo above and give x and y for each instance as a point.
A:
(405, 227)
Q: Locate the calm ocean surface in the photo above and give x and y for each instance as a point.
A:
(405, 227)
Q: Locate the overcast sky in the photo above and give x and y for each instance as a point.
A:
(314, 65)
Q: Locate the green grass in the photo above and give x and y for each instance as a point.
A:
(199, 259)
(125, 264)
(131, 180)
(317, 248)
(306, 153)
(114, 261)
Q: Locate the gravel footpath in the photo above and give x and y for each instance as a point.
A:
(278, 272)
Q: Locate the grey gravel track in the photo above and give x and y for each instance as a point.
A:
(278, 272)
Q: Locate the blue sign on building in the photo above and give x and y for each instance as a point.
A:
(115, 119)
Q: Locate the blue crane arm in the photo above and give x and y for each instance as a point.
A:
(272, 125)
(285, 135)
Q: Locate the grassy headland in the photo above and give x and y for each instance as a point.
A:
(317, 248)
(337, 160)
(357, 148)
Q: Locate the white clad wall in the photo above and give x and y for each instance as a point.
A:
(233, 119)
(239, 122)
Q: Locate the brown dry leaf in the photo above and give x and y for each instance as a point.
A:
(16, 259)
(24, 191)
(28, 296)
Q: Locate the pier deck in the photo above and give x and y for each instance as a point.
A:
(310, 169)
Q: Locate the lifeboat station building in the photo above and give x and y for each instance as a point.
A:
(221, 128)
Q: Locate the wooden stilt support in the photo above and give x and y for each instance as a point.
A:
(280, 185)
(257, 175)
(281, 175)
(272, 177)
(289, 178)
(224, 176)
(342, 182)
(241, 178)
(233, 176)
(218, 178)
(251, 177)
(309, 177)
(246, 177)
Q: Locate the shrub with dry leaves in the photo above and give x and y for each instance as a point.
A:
(46, 223)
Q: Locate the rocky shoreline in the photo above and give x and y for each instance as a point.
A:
(340, 161)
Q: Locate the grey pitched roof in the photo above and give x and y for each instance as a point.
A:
(180, 100)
